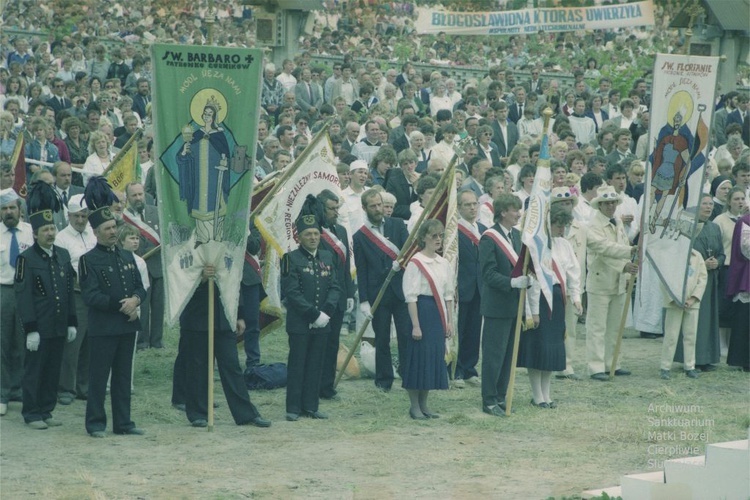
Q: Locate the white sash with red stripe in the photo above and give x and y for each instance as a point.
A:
(560, 280)
(380, 241)
(254, 263)
(469, 230)
(335, 243)
(489, 206)
(145, 230)
(504, 245)
(424, 268)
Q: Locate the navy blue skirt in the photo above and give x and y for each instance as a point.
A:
(543, 348)
(424, 363)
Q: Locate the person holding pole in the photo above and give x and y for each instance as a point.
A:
(684, 317)
(428, 290)
(376, 248)
(311, 292)
(499, 247)
(609, 254)
(194, 364)
(334, 239)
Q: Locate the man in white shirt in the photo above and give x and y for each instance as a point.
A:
(582, 126)
(367, 148)
(628, 210)
(15, 237)
(77, 238)
(285, 77)
(354, 214)
(583, 212)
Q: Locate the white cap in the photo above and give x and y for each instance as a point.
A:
(76, 204)
(8, 196)
(357, 164)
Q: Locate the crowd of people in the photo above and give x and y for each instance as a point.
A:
(73, 102)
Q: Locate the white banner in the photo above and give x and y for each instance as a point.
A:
(535, 20)
(276, 221)
(682, 106)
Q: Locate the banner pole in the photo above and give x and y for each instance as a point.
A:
(211, 313)
(621, 330)
(516, 340)
(404, 250)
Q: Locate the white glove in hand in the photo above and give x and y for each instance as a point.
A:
(520, 282)
(365, 308)
(32, 341)
(322, 320)
(349, 305)
(72, 332)
(396, 266)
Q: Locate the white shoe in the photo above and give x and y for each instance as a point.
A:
(459, 383)
(475, 381)
(3, 409)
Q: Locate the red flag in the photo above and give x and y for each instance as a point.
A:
(18, 160)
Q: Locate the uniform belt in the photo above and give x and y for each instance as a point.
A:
(10, 286)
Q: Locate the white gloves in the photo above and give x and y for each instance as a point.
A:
(520, 282)
(322, 321)
(32, 341)
(396, 266)
(349, 305)
(364, 307)
(72, 333)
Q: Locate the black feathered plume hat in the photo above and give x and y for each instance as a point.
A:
(42, 202)
(99, 199)
(311, 215)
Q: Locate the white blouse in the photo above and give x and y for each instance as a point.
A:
(415, 284)
(567, 263)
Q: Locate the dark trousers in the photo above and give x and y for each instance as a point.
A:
(469, 335)
(497, 353)
(195, 366)
(152, 315)
(12, 346)
(331, 355)
(304, 370)
(251, 337)
(40, 379)
(390, 307)
(111, 353)
(74, 372)
(179, 373)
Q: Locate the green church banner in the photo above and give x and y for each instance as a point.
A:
(206, 104)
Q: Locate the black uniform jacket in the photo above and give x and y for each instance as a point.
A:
(309, 286)
(44, 291)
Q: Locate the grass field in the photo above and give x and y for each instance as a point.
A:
(370, 448)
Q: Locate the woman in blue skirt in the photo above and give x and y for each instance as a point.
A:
(428, 290)
(542, 349)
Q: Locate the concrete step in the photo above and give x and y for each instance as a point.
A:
(641, 485)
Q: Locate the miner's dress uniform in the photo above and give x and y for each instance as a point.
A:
(45, 304)
(106, 276)
(310, 286)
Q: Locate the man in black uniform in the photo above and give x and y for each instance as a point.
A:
(311, 292)
(112, 289)
(46, 306)
(335, 239)
(252, 287)
(193, 365)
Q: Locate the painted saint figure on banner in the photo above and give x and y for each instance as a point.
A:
(673, 160)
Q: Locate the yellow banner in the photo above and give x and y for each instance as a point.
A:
(125, 167)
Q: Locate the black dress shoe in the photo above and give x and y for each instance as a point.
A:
(647, 335)
(418, 416)
(493, 410)
(179, 406)
(430, 415)
(292, 417)
(199, 422)
(539, 405)
(331, 397)
(134, 431)
(601, 377)
(703, 368)
(260, 422)
(317, 415)
(504, 408)
(552, 405)
(622, 372)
